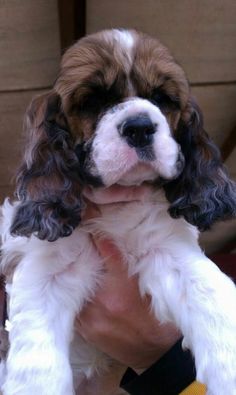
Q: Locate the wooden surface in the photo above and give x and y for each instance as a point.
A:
(222, 233)
(72, 21)
(201, 33)
(229, 144)
(217, 104)
(30, 54)
(29, 43)
(231, 164)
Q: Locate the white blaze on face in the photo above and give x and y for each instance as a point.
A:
(124, 37)
(117, 162)
(124, 44)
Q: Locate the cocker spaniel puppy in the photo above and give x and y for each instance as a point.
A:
(120, 113)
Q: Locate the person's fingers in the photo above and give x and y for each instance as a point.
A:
(113, 261)
(91, 211)
(117, 194)
(107, 248)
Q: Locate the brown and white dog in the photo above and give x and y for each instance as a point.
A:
(120, 113)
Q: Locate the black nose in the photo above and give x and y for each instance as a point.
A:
(138, 131)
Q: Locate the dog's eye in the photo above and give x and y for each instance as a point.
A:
(91, 103)
(97, 100)
(86, 106)
(164, 101)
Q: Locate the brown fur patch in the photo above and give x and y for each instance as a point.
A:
(100, 61)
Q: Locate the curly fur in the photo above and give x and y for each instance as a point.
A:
(203, 193)
(48, 181)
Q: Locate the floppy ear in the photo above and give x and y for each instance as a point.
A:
(203, 193)
(47, 183)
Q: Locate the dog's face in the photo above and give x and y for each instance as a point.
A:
(120, 113)
(124, 93)
(132, 143)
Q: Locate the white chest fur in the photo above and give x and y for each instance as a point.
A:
(142, 228)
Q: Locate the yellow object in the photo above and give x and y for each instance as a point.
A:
(195, 389)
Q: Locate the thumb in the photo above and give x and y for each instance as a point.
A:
(112, 257)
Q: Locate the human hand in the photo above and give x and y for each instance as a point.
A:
(119, 322)
(117, 194)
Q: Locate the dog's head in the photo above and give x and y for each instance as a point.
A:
(121, 113)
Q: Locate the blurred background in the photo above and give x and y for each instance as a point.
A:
(200, 33)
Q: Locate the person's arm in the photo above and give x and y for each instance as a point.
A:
(119, 322)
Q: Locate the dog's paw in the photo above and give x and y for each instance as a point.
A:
(43, 371)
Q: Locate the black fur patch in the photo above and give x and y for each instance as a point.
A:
(46, 219)
(85, 176)
(203, 193)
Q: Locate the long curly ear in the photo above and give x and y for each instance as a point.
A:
(203, 193)
(47, 184)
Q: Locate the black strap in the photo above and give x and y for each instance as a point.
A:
(169, 376)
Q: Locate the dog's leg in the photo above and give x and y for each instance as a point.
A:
(192, 292)
(49, 287)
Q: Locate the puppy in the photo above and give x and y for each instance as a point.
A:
(120, 114)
